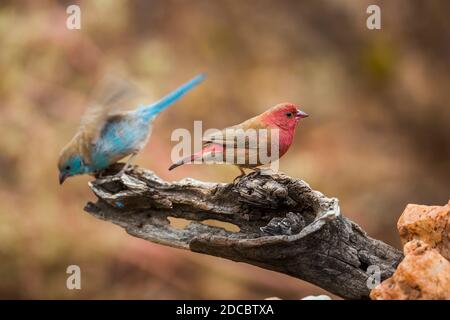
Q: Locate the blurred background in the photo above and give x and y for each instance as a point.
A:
(378, 137)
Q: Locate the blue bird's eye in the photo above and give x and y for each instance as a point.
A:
(67, 168)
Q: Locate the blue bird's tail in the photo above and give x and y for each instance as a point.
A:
(149, 111)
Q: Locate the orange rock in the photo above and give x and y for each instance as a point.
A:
(423, 274)
(430, 224)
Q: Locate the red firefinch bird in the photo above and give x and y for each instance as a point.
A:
(252, 143)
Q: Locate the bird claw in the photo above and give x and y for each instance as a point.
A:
(119, 174)
(238, 178)
(103, 174)
(122, 171)
(99, 174)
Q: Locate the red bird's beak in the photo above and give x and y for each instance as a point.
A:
(300, 114)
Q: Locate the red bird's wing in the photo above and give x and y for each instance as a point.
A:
(246, 135)
(249, 141)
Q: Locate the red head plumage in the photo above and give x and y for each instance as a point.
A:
(284, 116)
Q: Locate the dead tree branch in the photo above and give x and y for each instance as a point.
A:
(283, 225)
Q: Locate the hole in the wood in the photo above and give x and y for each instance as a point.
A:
(112, 186)
(178, 223)
(220, 224)
(363, 266)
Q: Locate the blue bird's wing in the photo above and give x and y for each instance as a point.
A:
(112, 96)
(107, 132)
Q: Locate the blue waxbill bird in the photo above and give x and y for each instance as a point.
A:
(106, 136)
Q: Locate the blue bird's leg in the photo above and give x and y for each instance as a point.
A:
(127, 165)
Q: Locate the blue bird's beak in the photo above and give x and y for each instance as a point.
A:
(62, 177)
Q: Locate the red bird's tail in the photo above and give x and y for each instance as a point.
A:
(182, 161)
(207, 150)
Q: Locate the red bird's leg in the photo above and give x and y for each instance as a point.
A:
(239, 176)
(257, 170)
(263, 171)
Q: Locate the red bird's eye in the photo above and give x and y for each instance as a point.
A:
(289, 114)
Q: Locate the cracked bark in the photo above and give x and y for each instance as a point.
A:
(283, 225)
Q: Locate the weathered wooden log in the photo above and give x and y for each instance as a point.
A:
(280, 224)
